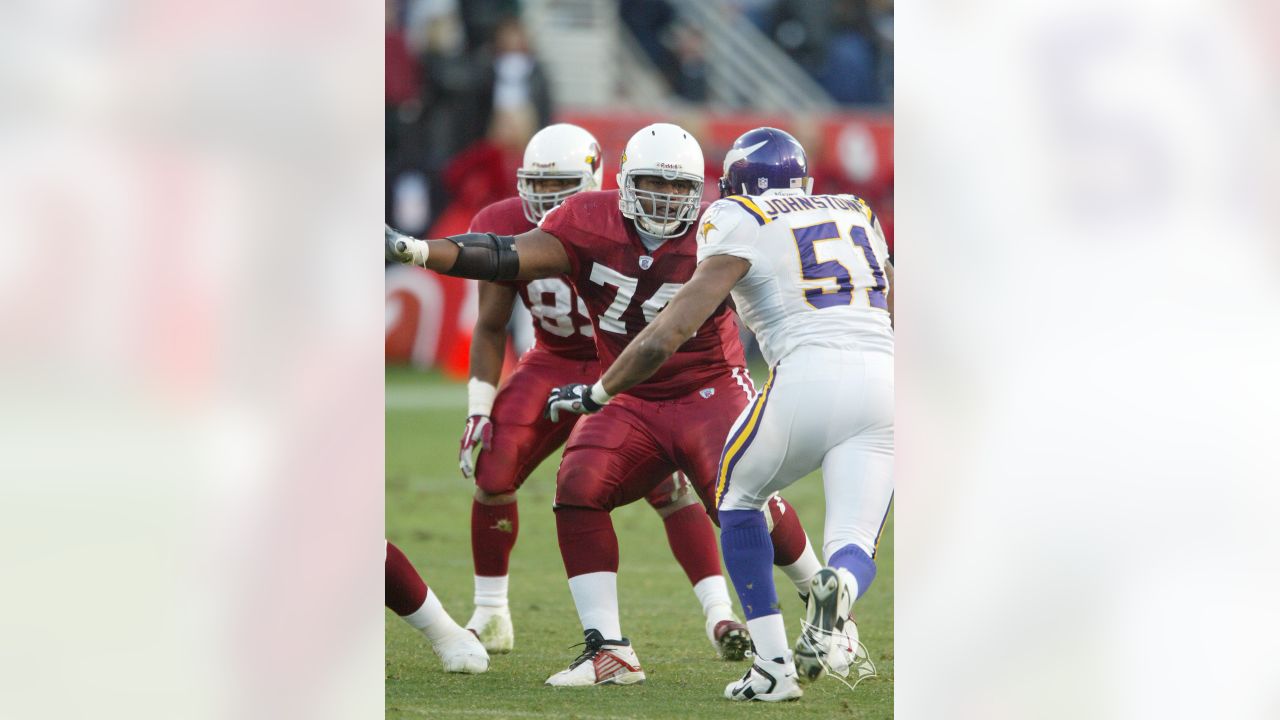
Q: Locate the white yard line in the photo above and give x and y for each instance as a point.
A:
(433, 712)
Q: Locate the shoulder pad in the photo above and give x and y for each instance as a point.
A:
(749, 205)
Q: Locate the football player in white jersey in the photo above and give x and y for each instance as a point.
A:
(810, 275)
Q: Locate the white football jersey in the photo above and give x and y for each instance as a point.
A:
(817, 269)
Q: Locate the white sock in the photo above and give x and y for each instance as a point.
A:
(596, 597)
(803, 569)
(769, 635)
(432, 619)
(713, 593)
(491, 591)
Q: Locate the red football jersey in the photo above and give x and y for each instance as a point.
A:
(625, 286)
(560, 320)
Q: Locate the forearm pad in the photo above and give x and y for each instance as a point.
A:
(485, 256)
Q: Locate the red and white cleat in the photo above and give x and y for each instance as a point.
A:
(603, 662)
(730, 639)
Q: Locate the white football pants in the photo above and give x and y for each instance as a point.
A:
(820, 408)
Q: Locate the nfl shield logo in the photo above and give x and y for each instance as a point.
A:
(762, 183)
(707, 392)
(645, 262)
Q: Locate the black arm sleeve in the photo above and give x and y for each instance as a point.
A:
(485, 256)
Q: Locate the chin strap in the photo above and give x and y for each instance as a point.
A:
(658, 239)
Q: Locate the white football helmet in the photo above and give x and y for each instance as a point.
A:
(558, 152)
(666, 151)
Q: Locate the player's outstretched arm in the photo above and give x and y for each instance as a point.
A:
(482, 256)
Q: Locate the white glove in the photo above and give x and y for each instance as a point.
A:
(477, 434)
(404, 249)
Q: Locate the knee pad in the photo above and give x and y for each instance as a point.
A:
(581, 489)
(674, 489)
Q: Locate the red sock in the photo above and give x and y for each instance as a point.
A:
(787, 534)
(587, 541)
(693, 542)
(493, 535)
(406, 590)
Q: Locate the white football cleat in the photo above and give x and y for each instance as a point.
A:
(843, 652)
(603, 662)
(767, 680)
(461, 652)
(823, 639)
(493, 626)
(730, 638)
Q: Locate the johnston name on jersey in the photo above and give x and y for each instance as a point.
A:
(817, 269)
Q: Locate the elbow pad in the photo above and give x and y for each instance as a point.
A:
(485, 256)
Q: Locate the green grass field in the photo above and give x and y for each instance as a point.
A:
(428, 516)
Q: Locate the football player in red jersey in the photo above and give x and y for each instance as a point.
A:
(627, 252)
(506, 435)
(409, 597)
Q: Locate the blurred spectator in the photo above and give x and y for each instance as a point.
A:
(481, 19)
(846, 45)
(690, 81)
(517, 79)
(403, 77)
(445, 95)
(882, 22)
(648, 20)
(485, 171)
(802, 28)
(677, 49)
(434, 27)
(849, 69)
(501, 74)
(759, 12)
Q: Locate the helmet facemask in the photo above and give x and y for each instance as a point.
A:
(661, 214)
(536, 204)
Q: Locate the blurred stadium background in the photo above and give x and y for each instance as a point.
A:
(468, 83)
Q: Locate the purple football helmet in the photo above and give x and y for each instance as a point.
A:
(764, 159)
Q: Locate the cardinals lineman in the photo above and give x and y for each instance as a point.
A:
(506, 436)
(627, 253)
